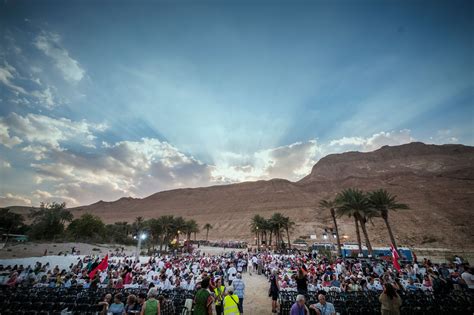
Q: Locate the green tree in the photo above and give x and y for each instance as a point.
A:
(331, 206)
(354, 203)
(163, 227)
(207, 227)
(11, 222)
(49, 220)
(190, 227)
(256, 226)
(278, 222)
(138, 224)
(179, 225)
(118, 233)
(383, 202)
(87, 227)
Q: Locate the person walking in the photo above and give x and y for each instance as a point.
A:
(274, 290)
(239, 290)
(302, 282)
(231, 302)
(390, 301)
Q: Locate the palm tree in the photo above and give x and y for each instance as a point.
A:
(330, 205)
(191, 227)
(382, 201)
(207, 227)
(167, 225)
(156, 230)
(354, 203)
(288, 225)
(257, 226)
(278, 221)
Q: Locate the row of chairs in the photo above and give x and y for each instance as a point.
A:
(27, 300)
(419, 302)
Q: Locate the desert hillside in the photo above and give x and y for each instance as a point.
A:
(437, 181)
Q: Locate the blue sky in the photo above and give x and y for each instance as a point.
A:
(125, 98)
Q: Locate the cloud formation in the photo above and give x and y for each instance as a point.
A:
(290, 162)
(47, 131)
(65, 171)
(17, 200)
(373, 142)
(50, 44)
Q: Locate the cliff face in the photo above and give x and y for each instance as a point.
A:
(436, 181)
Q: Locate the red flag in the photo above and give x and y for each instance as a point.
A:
(100, 267)
(395, 258)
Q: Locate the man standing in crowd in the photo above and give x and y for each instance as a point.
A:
(239, 290)
(231, 272)
(203, 300)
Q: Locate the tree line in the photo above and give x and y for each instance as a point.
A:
(272, 230)
(53, 222)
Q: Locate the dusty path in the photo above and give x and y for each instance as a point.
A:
(256, 299)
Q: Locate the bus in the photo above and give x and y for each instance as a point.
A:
(352, 250)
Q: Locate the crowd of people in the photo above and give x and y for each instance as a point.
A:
(315, 277)
(215, 283)
(219, 275)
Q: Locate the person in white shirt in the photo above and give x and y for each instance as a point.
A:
(468, 277)
(231, 273)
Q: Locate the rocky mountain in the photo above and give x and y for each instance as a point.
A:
(437, 181)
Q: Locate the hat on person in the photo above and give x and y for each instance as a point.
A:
(239, 275)
(230, 289)
(198, 279)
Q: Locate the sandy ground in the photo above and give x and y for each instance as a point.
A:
(256, 299)
(33, 249)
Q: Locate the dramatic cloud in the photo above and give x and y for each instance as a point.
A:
(50, 44)
(46, 130)
(290, 162)
(126, 168)
(10, 199)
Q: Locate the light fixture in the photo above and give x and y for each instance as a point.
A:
(143, 236)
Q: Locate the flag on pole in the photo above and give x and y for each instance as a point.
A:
(395, 258)
(100, 267)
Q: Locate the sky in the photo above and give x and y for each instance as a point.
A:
(105, 99)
